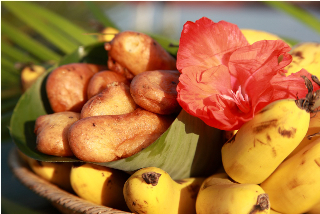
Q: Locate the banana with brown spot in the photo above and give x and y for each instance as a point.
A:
(151, 190)
(305, 55)
(294, 187)
(312, 134)
(219, 194)
(262, 143)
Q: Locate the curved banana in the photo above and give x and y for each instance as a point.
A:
(253, 36)
(99, 184)
(151, 190)
(262, 143)
(218, 194)
(294, 187)
(314, 128)
(305, 55)
(57, 173)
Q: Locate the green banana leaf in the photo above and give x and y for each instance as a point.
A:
(188, 148)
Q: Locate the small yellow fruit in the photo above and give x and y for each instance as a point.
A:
(98, 184)
(253, 36)
(108, 34)
(152, 191)
(305, 55)
(218, 194)
(57, 173)
(30, 74)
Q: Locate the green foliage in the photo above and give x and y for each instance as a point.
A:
(298, 13)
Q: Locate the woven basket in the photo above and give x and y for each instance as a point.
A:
(62, 200)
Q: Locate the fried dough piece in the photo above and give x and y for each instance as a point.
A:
(100, 80)
(115, 99)
(67, 85)
(136, 53)
(112, 137)
(156, 91)
(52, 133)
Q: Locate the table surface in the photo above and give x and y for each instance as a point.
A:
(15, 197)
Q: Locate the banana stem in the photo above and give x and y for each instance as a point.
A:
(263, 203)
(151, 178)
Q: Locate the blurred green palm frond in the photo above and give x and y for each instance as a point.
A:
(47, 38)
(32, 33)
(298, 13)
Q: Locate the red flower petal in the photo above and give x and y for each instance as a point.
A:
(255, 65)
(206, 43)
(199, 95)
(224, 81)
(293, 86)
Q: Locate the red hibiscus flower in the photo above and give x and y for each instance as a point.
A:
(225, 81)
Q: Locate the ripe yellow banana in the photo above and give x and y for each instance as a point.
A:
(151, 190)
(305, 55)
(218, 194)
(261, 144)
(315, 209)
(314, 127)
(294, 187)
(99, 184)
(253, 36)
(29, 75)
(274, 212)
(57, 173)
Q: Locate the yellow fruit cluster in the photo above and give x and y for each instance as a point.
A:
(270, 165)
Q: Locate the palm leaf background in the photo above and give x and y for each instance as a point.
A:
(32, 33)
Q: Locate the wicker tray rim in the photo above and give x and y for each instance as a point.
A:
(63, 200)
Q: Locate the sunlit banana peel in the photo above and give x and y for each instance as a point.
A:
(253, 36)
(305, 55)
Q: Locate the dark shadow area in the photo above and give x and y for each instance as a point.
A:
(43, 94)
(206, 163)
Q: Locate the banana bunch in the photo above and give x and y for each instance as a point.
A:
(295, 184)
(261, 144)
